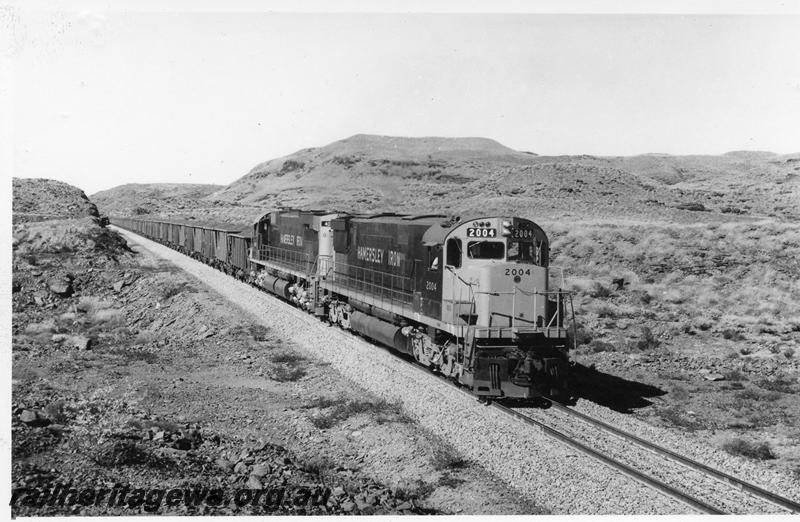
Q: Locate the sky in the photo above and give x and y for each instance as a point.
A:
(100, 96)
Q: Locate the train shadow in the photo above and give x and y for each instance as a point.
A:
(608, 390)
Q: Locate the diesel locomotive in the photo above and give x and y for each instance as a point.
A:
(472, 299)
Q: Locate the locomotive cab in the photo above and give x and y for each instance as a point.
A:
(496, 284)
(497, 277)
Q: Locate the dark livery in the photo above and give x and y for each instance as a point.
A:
(469, 298)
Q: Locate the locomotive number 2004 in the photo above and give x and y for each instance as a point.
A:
(481, 232)
(518, 271)
(521, 233)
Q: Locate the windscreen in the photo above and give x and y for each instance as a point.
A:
(486, 250)
(521, 252)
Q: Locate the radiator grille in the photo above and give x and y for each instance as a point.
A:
(494, 375)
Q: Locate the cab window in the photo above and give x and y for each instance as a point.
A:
(486, 250)
(528, 252)
(521, 252)
(454, 252)
(434, 258)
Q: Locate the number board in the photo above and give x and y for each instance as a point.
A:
(481, 232)
(520, 233)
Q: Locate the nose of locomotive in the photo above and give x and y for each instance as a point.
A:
(513, 294)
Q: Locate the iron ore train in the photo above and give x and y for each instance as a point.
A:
(468, 298)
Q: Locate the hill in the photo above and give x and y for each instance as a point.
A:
(147, 198)
(366, 173)
(45, 199)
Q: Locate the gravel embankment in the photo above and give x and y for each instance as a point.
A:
(722, 495)
(549, 473)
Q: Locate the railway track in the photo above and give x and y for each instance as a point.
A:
(639, 476)
(710, 492)
(751, 489)
(732, 498)
(697, 485)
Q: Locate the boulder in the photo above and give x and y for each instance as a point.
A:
(224, 464)
(28, 416)
(260, 470)
(714, 377)
(80, 342)
(33, 418)
(118, 286)
(254, 482)
(61, 286)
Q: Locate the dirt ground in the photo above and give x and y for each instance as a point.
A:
(176, 389)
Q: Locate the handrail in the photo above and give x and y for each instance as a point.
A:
(324, 265)
(574, 326)
(294, 259)
(372, 282)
